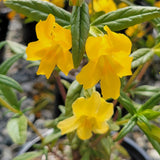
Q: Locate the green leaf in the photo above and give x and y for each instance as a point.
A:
(5, 80)
(10, 96)
(17, 129)
(147, 132)
(141, 56)
(28, 156)
(154, 100)
(16, 47)
(127, 105)
(79, 29)
(106, 144)
(39, 10)
(125, 17)
(127, 128)
(153, 131)
(146, 90)
(86, 155)
(51, 138)
(150, 114)
(94, 31)
(2, 44)
(72, 94)
(143, 119)
(5, 66)
(154, 143)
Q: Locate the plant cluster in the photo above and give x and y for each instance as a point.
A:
(117, 41)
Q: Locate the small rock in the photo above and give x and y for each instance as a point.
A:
(154, 154)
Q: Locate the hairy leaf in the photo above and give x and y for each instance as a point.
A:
(5, 66)
(125, 17)
(79, 29)
(127, 105)
(5, 80)
(39, 10)
(127, 128)
(10, 96)
(72, 94)
(141, 56)
(154, 100)
(150, 114)
(146, 90)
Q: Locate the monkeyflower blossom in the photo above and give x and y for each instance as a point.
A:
(108, 61)
(103, 5)
(51, 48)
(89, 115)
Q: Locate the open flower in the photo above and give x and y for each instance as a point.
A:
(52, 47)
(103, 5)
(108, 61)
(89, 115)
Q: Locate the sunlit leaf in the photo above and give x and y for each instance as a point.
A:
(17, 129)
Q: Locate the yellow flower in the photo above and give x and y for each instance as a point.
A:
(108, 61)
(52, 47)
(12, 14)
(122, 5)
(73, 2)
(59, 3)
(103, 5)
(137, 30)
(89, 115)
(157, 4)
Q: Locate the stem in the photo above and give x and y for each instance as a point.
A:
(94, 144)
(8, 106)
(60, 86)
(133, 77)
(122, 122)
(34, 129)
(143, 71)
(92, 6)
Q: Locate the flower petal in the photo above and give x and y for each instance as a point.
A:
(68, 125)
(89, 75)
(44, 28)
(110, 85)
(118, 42)
(62, 36)
(87, 107)
(92, 49)
(104, 5)
(125, 62)
(47, 63)
(105, 111)
(101, 127)
(84, 131)
(66, 63)
(36, 50)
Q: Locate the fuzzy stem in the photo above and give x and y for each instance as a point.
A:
(133, 77)
(6, 105)
(60, 86)
(34, 129)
